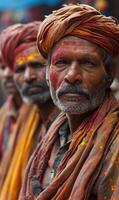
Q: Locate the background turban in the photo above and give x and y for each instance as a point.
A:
(16, 38)
(82, 21)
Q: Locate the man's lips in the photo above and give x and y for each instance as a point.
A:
(73, 97)
(33, 90)
(10, 85)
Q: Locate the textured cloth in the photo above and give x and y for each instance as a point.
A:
(17, 38)
(27, 125)
(8, 116)
(12, 142)
(89, 167)
(81, 21)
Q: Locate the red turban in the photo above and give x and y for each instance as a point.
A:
(16, 38)
(81, 21)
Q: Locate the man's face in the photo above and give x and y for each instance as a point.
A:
(6, 76)
(30, 77)
(77, 75)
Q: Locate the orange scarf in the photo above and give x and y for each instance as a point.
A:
(89, 166)
(26, 126)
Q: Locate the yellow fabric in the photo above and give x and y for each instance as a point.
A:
(12, 184)
(22, 114)
(6, 111)
(3, 114)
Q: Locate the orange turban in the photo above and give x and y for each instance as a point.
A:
(81, 21)
(16, 38)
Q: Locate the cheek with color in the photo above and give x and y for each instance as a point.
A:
(53, 77)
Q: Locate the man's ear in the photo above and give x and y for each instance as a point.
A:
(110, 68)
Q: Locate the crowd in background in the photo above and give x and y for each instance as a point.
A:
(108, 7)
(8, 17)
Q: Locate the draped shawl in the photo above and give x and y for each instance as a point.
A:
(4, 117)
(26, 127)
(91, 165)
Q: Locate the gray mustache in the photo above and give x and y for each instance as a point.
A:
(76, 89)
(27, 86)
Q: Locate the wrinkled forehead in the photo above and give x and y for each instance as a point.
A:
(71, 43)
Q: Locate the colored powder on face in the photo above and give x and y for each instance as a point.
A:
(53, 77)
(27, 58)
(58, 54)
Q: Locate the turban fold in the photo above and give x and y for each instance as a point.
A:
(81, 21)
(16, 38)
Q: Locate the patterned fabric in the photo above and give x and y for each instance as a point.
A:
(89, 169)
(59, 148)
(81, 21)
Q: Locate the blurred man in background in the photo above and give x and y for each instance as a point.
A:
(21, 55)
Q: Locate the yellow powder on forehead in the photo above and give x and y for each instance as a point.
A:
(27, 58)
(33, 56)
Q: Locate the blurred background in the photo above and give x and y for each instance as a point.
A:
(14, 11)
(23, 11)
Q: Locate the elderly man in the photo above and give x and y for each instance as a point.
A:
(10, 110)
(12, 116)
(79, 156)
(21, 55)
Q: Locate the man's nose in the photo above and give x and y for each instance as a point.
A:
(29, 74)
(74, 73)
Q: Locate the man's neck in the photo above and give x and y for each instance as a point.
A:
(75, 121)
(17, 101)
(48, 113)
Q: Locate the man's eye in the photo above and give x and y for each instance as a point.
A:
(37, 65)
(19, 70)
(89, 63)
(3, 67)
(61, 63)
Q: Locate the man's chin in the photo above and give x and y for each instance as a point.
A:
(73, 108)
(35, 100)
(11, 92)
(29, 100)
